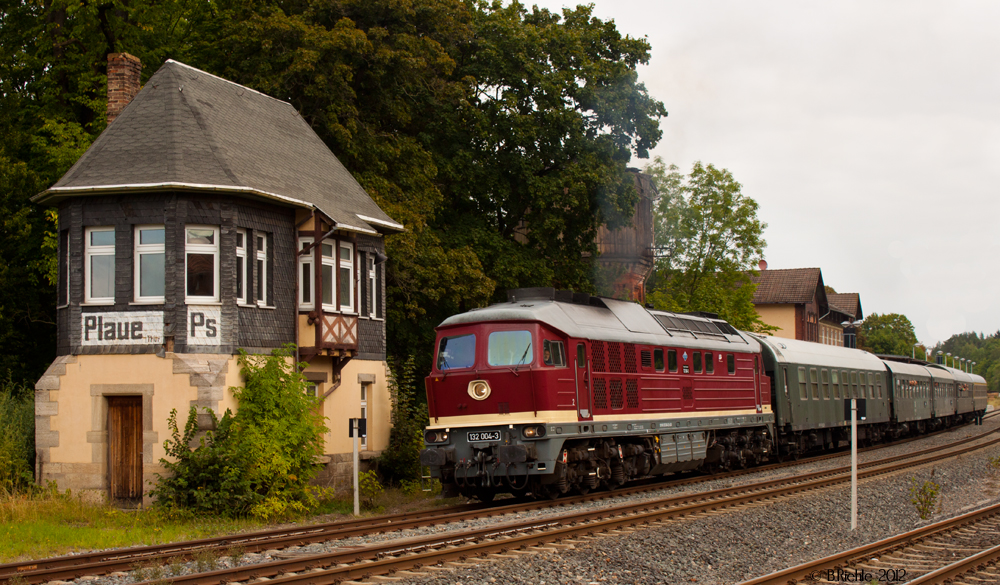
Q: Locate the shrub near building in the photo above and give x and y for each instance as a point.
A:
(257, 462)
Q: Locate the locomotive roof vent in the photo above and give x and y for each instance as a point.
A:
(547, 293)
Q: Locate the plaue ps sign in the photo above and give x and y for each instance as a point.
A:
(122, 328)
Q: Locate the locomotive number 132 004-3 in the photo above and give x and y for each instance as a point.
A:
(484, 436)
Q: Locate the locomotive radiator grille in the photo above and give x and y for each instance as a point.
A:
(600, 393)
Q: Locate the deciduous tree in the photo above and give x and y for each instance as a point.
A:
(890, 333)
(708, 240)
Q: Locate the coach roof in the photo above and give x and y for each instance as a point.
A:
(793, 351)
(607, 320)
(190, 130)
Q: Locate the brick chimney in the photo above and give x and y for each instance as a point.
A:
(123, 82)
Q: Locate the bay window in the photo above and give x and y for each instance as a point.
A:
(328, 275)
(372, 286)
(306, 286)
(201, 264)
(261, 268)
(150, 265)
(346, 277)
(241, 267)
(99, 265)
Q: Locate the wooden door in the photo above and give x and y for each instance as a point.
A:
(125, 448)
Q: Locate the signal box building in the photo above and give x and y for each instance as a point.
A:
(207, 218)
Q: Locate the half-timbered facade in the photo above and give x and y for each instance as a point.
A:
(207, 218)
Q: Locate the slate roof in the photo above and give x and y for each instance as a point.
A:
(188, 129)
(791, 285)
(847, 303)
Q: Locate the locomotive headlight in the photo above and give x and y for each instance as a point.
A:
(435, 436)
(479, 389)
(533, 432)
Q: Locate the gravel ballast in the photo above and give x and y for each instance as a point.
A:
(722, 548)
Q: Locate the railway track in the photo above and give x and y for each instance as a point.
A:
(960, 550)
(421, 551)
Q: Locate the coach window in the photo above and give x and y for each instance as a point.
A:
(825, 378)
(510, 348)
(731, 363)
(456, 352)
(803, 392)
(709, 364)
(202, 264)
(878, 384)
(552, 353)
(854, 384)
(658, 359)
(814, 383)
(99, 266)
(871, 385)
(672, 360)
(149, 264)
(835, 380)
(696, 357)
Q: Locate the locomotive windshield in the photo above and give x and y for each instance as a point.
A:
(456, 352)
(510, 348)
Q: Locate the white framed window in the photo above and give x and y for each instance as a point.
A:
(329, 275)
(261, 248)
(150, 265)
(306, 285)
(346, 277)
(241, 267)
(364, 412)
(201, 264)
(99, 265)
(372, 286)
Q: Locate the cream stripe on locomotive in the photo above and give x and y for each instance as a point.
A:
(570, 416)
(692, 414)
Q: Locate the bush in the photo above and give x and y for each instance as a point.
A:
(369, 489)
(924, 496)
(17, 437)
(257, 462)
(401, 459)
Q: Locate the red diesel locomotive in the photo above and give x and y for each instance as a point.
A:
(556, 391)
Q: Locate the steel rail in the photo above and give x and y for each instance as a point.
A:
(389, 557)
(844, 559)
(39, 571)
(949, 573)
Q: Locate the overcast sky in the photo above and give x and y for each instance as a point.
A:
(868, 132)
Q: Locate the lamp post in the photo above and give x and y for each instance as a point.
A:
(947, 356)
(913, 352)
(972, 368)
(850, 332)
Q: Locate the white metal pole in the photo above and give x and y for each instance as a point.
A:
(854, 464)
(357, 499)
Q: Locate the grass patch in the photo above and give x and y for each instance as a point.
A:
(993, 399)
(52, 525)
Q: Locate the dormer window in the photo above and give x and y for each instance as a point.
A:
(202, 264)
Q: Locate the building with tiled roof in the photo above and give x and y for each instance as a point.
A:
(208, 218)
(796, 302)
